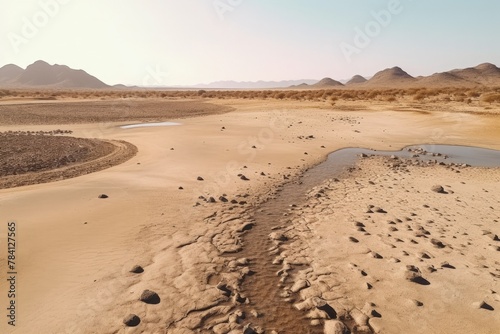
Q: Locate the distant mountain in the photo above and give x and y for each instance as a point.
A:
(357, 79)
(254, 84)
(445, 79)
(327, 83)
(9, 73)
(41, 74)
(483, 74)
(391, 77)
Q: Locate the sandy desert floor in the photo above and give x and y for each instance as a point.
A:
(190, 208)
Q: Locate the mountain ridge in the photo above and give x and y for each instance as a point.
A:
(40, 74)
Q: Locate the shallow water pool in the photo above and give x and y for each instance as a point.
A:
(148, 125)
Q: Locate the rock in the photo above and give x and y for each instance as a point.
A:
(378, 210)
(376, 255)
(103, 196)
(255, 314)
(413, 274)
(493, 237)
(249, 329)
(437, 243)
(132, 320)
(482, 305)
(335, 327)
(438, 189)
(359, 317)
(211, 200)
(300, 285)
(416, 302)
(353, 239)
(223, 199)
(150, 297)
(244, 178)
(137, 270)
(237, 298)
(200, 178)
(278, 236)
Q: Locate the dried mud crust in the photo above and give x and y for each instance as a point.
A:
(32, 159)
(105, 111)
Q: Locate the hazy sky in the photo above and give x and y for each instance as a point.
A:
(178, 42)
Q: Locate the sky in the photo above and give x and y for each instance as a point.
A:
(187, 42)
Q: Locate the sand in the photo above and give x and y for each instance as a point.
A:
(75, 250)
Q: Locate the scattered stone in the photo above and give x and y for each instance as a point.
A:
(223, 199)
(359, 317)
(211, 200)
(200, 178)
(437, 243)
(278, 236)
(413, 274)
(137, 270)
(150, 297)
(335, 327)
(493, 237)
(237, 298)
(244, 178)
(103, 196)
(132, 320)
(438, 189)
(249, 329)
(482, 305)
(181, 188)
(447, 265)
(376, 255)
(416, 302)
(353, 239)
(255, 314)
(378, 210)
(224, 289)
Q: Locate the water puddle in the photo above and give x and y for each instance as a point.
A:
(262, 287)
(148, 125)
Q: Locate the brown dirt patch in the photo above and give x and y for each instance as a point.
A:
(105, 111)
(31, 159)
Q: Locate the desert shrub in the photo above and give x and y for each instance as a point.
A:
(373, 94)
(490, 97)
(348, 95)
(473, 93)
(419, 96)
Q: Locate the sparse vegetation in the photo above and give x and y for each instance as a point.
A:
(477, 96)
(491, 98)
